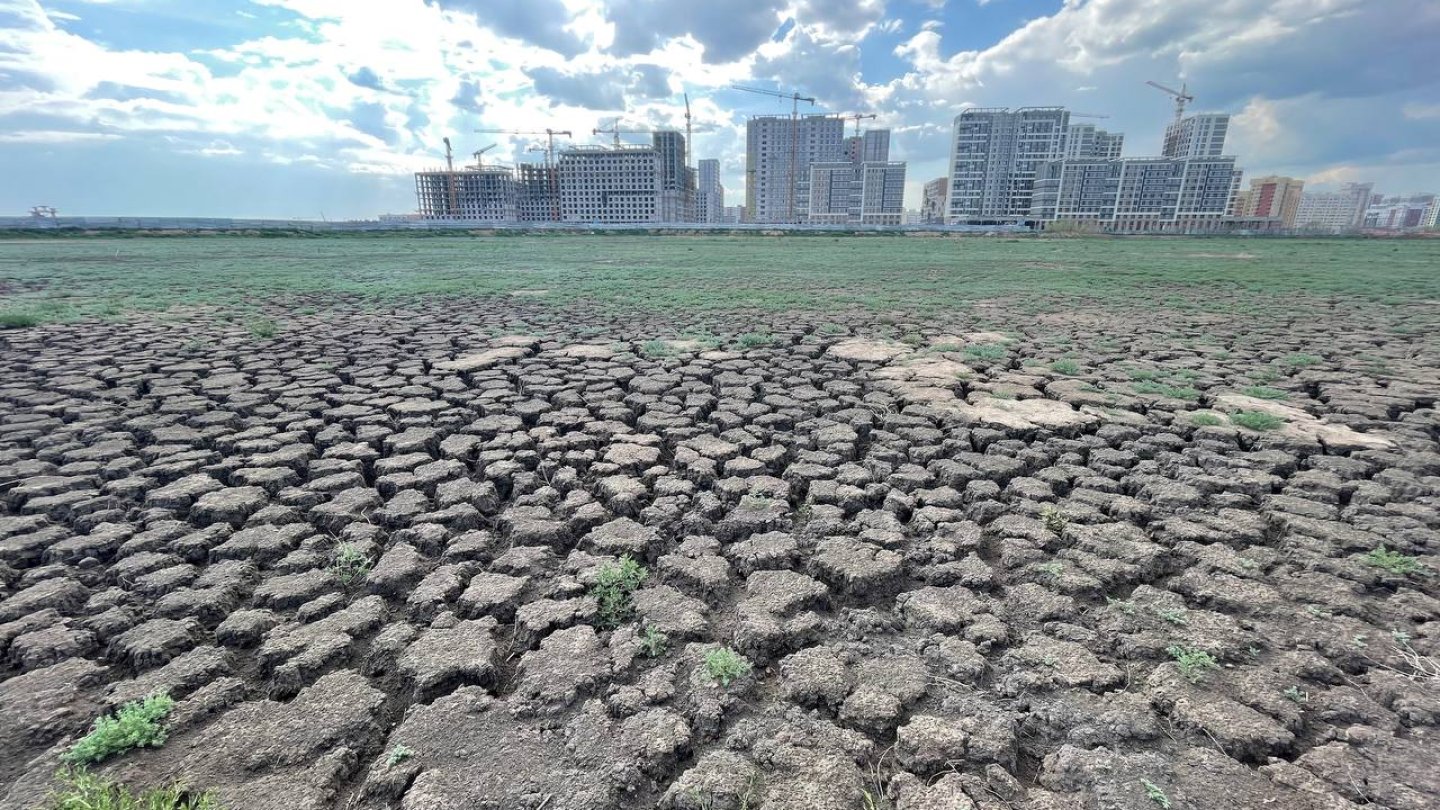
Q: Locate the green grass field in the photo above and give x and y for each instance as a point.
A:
(69, 278)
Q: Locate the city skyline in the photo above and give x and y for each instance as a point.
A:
(311, 108)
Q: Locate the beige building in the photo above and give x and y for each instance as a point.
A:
(1272, 197)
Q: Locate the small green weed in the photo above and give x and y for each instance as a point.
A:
(1161, 389)
(1055, 521)
(1067, 367)
(725, 665)
(1394, 562)
(1263, 392)
(1257, 420)
(614, 584)
(946, 347)
(350, 564)
(82, 790)
(1300, 360)
(655, 348)
(1205, 419)
(1123, 605)
(398, 754)
(654, 642)
(1192, 663)
(262, 327)
(1155, 794)
(754, 340)
(985, 351)
(136, 725)
(913, 339)
(1052, 569)
(1297, 695)
(1174, 616)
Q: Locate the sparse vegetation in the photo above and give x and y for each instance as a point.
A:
(614, 585)
(1055, 520)
(1155, 794)
(985, 351)
(1394, 562)
(350, 564)
(18, 320)
(1193, 663)
(1174, 616)
(656, 348)
(754, 340)
(137, 724)
(724, 665)
(1068, 367)
(1206, 419)
(1300, 360)
(1051, 569)
(397, 755)
(654, 642)
(1160, 389)
(1297, 695)
(1258, 421)
(1263, 392)
(82, 790)
(262, 327)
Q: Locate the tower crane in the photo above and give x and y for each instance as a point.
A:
(1087, 115)
(856, 118)
(1181, 97)
(479, 153)
(615, 130)
(688, 133)
(795, 99)
(450, 179)
(550, 168)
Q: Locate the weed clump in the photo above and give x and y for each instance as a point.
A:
(1263, 392)
(1205, 419)
(1066, 367)
(350, 564)
(1394, 562)
(1155, 794)
(725, 665)
(398, 754)
(654, 642)
(1184, 392)
(1193, 663)
(18, 320)
(1258, 421)
(613, 587)
(985, 351)
(1055, 521)
(754, 340)
(135, 725)
(262, 327)
(82, 790)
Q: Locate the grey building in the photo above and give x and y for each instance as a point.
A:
(611, 185)
(778, 154)
(1199, 136)
(473, 194)
(710, 194)
(1084, 141)
(537, 193)
(994, 155)
(857, 193)
(1137, 195)
(677, 179)
(1334, 211)
(932, 201)
(870, 147)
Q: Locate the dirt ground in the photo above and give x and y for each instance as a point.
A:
(974, 562)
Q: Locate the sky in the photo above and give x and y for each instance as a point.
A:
(323, 108)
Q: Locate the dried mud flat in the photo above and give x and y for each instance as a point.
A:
(962, 557)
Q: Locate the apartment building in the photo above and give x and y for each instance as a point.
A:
(1138, 195)
(870, 147)
(1272, 197)
(1334, 211)
(537, 193)
(710, 194)
(1085, 142)
(677, 179)
(604, 184)
(472, 195)
(994, 155)
(932, 201)
(856, 193)
(778, 153)
(1201, 135)
(1401, 213)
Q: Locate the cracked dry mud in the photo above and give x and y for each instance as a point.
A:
(956, 571)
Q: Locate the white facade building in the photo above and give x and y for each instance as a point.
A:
(611, 185)
(1200, 136)
(1084, 141)
(994, 154)
(1334, 211)
(710, 194)
(778, 154)
(1138, 195)
(848, 193)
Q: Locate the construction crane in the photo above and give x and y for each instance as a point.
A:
(1181, 97)
(450, 179)
(795, 99)
(615, 130)
(479, 155)
(547, 132)
(856, 118)
(1087, 115)
(689, 134)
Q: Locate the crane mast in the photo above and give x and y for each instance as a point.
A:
(1182, 97)
(550, 168)
(795, 99)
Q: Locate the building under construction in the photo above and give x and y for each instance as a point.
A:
(626, 183)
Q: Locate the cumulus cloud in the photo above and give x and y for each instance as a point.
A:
(593, 90)
(538, 22)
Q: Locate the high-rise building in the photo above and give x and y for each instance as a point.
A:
(932, 201)
(1335, 211)
(472, 194)
(1200, 135)
(1137, 195)
(537, 193)
(677, 180)
(778, 154)
(849, 193)
(1084, 141)
(710, 195)
(610, 185)
(994, 154)
(1271, 197)
(871, 147)
(1400, 213)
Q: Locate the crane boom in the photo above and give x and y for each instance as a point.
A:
(795, 99)
(550, 168)
(1182, 97)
